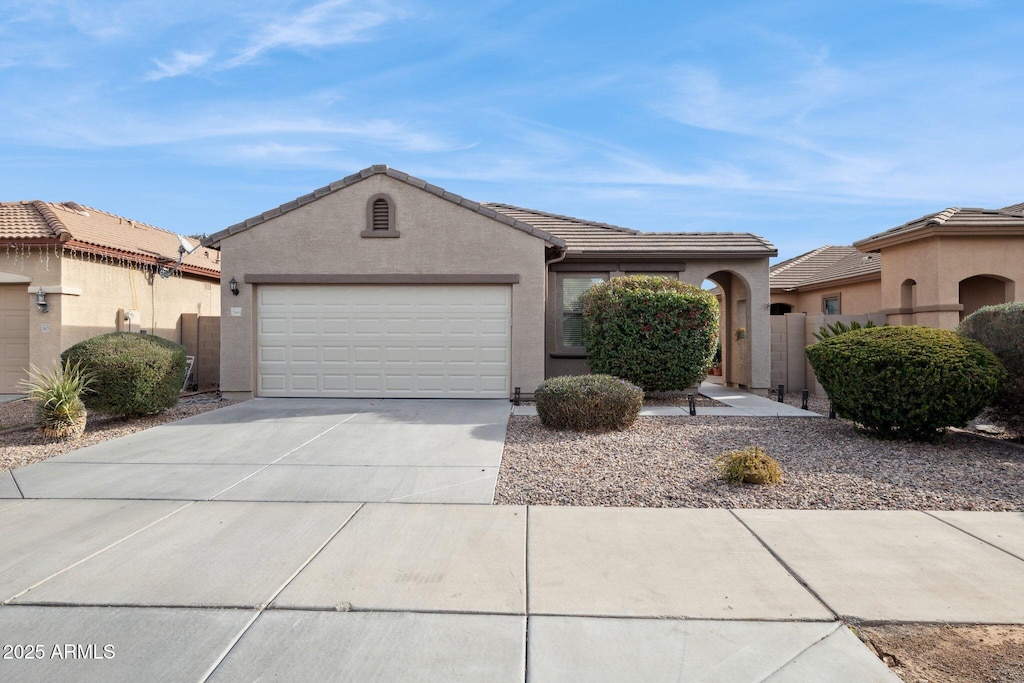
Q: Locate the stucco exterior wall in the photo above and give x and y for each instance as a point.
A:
(437, 237)
(938, 265)
(857, 298)
(158, 302)
(83, 297)
(748, 360)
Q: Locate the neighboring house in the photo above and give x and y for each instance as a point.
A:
(69, 272)
(932, 271)
(384, 285)
(830, 280)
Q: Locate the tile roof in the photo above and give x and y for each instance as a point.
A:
(380, 169)
(90, 230)
(954, 220)
(576, 235)
(856, 265)
(589, 237)
(1014, 208)
(792, 273)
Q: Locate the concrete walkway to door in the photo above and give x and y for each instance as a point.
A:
(301, 450)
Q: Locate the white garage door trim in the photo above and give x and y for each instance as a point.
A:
(395, 341)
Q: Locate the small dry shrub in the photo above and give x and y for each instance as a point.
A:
(588, 403)
(749, 466)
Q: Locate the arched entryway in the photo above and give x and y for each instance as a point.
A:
(984, 290)
(734, 326)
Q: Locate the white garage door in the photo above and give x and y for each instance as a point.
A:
(429, 341)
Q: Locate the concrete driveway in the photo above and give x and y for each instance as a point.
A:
(302, 450)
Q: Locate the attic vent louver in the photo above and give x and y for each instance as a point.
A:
(381, 214)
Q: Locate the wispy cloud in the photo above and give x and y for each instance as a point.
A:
(325, 24)
(180, 63)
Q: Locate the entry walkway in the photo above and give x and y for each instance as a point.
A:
(737, 402)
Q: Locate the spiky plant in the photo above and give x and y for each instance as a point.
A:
(57, 393)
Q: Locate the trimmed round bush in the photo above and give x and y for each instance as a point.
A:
(751, 465)
(133, 374)
(906, 382)
(1000, 329)
(658, 333)
(588, 403)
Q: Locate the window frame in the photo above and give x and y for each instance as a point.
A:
(560, 345)
(838, 297)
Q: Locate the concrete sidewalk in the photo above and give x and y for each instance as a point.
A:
(230, 591)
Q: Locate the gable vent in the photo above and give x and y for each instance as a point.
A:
(381, 216)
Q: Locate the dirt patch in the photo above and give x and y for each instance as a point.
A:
(939, 653)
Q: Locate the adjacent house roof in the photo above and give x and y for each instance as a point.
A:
(790, 274)
(575, 235)
(92, 231)
(951, 221)
(585, 237)
(380, 169)
(856, 266)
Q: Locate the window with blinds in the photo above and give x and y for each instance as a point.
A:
(573, 288)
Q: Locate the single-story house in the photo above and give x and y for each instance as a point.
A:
(932, 271)
(69, 272)
(384, 285)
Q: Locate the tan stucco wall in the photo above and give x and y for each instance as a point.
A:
(437, 237)
(938, 264)
(858, 298)
(748, 360)
(158, 302)
(83, 297)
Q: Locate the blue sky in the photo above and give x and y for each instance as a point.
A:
(805, 121)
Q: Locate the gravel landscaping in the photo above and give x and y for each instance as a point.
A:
(26, 446)
(828, 464)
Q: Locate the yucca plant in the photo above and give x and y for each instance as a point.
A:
(57, 393)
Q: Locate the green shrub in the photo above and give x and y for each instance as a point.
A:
(134, 374)
(656, 332)
(57, 393)
(749, 466)
(839, 327)
(1000, 329)
(906, 382)
(588, 402)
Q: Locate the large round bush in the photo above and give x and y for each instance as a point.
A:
(906, 382)
(588, 402)
(1000, 329)
(656, 332)
(134, 374)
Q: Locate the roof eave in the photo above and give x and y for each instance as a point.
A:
(839, 281)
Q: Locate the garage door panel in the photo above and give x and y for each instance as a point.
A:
(384, 341)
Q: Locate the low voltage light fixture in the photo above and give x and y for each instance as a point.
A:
(233, 284)
(41, 301)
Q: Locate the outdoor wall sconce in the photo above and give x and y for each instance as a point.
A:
(41, 301)
(741, 333)
(233, 284)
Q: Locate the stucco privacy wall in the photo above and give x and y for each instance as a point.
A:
(937, 265)
(437, 237)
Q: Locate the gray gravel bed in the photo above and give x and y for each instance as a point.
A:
(20, 448)
(828, 464)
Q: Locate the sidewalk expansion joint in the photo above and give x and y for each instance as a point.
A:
(792, 572)
(260, 609)
(974, 536)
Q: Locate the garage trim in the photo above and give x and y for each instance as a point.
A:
(377, 279)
